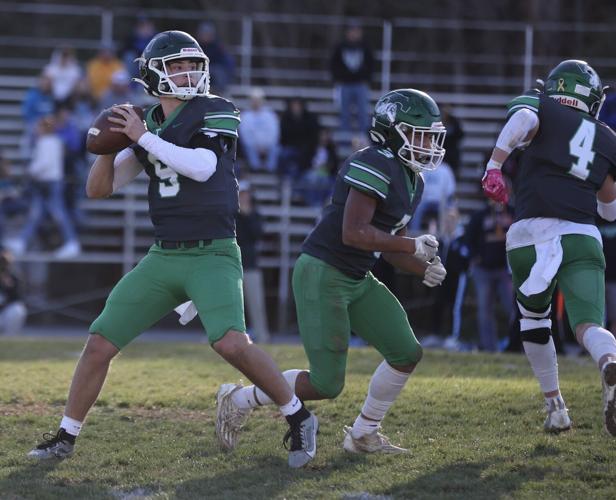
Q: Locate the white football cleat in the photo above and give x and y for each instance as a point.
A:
(608, 379)
(229, 417)
(375, 442)
(557, 419)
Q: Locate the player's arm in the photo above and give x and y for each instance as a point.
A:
(606, 199)
(197, 164)
(519, 131)
(433, 272)
(111, 172)
(358, 232)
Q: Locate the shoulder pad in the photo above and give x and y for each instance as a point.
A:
(528, 100)
(220, 116)
(369, 170)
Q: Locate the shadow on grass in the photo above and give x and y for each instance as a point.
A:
(476, 480)
(32, 481)
(263, 476)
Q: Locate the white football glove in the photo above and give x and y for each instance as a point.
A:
(426, 247)
(435, 273)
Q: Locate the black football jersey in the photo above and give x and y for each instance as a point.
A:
(564, 166)
(181, 208)
(376, 172)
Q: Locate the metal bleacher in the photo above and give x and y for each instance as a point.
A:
(117, 231)
(122, 221)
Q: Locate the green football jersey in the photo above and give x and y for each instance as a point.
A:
(182, 208)
(375, 172)
(566, 163)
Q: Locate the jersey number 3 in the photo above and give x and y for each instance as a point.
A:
(168, 185)
(580, 146)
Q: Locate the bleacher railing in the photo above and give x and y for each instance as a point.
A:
(440, 54)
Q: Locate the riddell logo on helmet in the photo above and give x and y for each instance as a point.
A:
(568, 101)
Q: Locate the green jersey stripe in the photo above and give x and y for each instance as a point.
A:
(374, 170)
(223, 131)
(368, 178)
(220, 123)
(363, 187)
(519, 107)
(362, 166)
(209, 116)
(529, 101)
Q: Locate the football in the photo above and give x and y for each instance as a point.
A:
(102, 141)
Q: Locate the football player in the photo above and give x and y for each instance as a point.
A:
(567, 168)
(187, 147)
(375, 195)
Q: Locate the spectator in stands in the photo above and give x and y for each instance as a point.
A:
(38, 103)
(260, 133)
(608, 233)
(485, 237)
(11, 201)
(74, 162)
(249, 232)
(101, 68)
(608, 110)
(143, 31)
(46, 171)
(352, 65)
(438, 195)
(452, 139)
(316, 185)
(13, 312)
(119, 92)
(222, 65)
(299, 136)
(84, 107)
(64, 72)
(450, 295)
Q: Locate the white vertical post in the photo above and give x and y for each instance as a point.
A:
(128, 254)
(528, 57)
(285, 255)
(107, 27)
(246, 60)
(386, 61)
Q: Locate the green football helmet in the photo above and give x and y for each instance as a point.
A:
(154, 71)
(576, 84)
(408, 122)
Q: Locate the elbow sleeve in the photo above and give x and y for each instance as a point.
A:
(607, 211)
(197, 164)
(516, 129)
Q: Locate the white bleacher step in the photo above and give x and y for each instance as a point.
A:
(12, 95)
(18, 82)
(84, 257)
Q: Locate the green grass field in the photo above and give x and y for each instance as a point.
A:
(473, 424)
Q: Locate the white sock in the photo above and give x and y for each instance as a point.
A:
(599, 342)
(385, 385)
(291, 407)
(70, 425)
(543, 361)
(251, 396)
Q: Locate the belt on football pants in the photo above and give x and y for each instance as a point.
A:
(183, 244)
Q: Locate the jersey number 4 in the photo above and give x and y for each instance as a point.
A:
(168, 185)
(580, 146)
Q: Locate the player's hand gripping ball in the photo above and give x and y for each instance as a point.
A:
(101, 140)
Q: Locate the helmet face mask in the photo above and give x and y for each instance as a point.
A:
(422, 147)
(576, 84)
(158, 78)
(408, 122)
